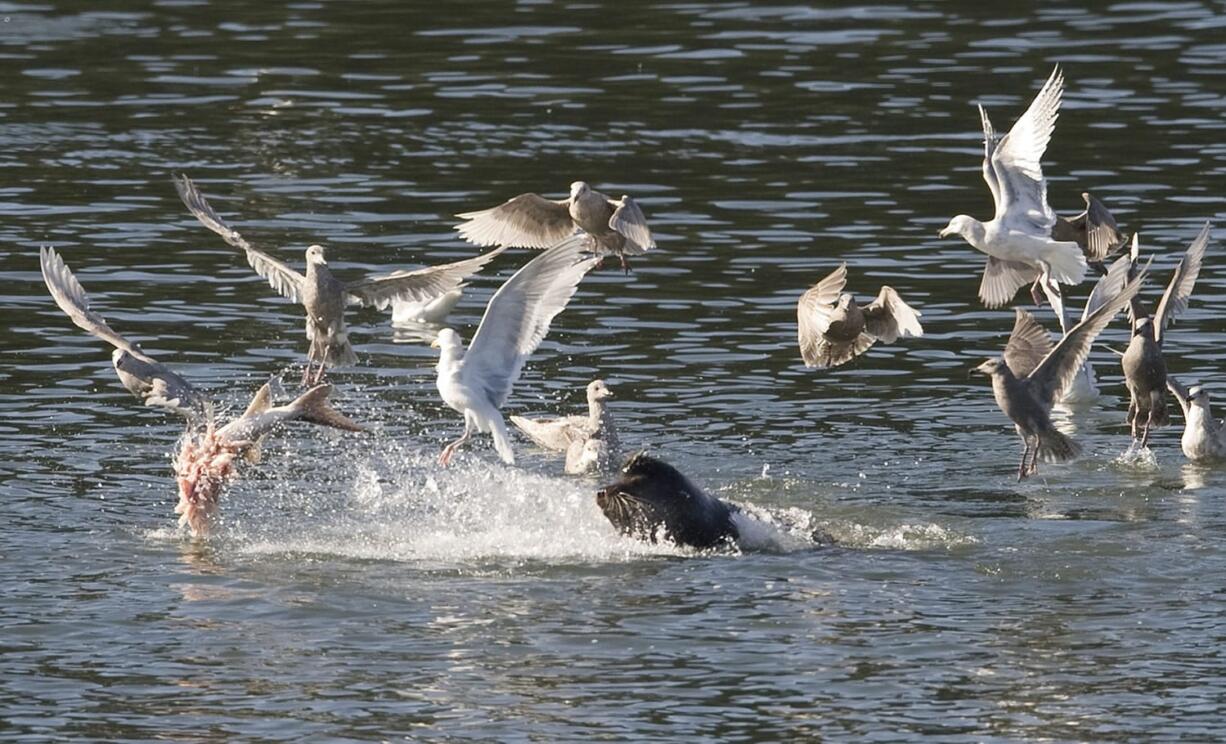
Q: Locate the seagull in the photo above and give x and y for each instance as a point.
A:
(1018, 240)
(1094, 231)
(615, 227)
(1144, 365)
(589, 454)
(833, 329)
(145, 377)
(1084, 387)
(559, 434)
(430, 312)
(323, 295)
(477, 383)
(1031, 374)
(1204, 437)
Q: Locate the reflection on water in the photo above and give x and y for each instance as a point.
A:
(360, 592)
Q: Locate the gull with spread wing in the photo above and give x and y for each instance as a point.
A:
(1094, 231)
(1028, 378)
(615, 227)
(1143, 362)
(323, 295)
(1018, 240)
(478, 382)
(832, 329)
(145, 377)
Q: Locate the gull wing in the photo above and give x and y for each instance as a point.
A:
(888, 317)
(1002, 279)
(813, 312)
(989, 146)
(422, 285)
(526, 221)
(1108, 285)
(70, 296)
(1175, 299)
(518, 317)
(1102, 234)
(1021, 203)
(287, 282)
(1180, 393)
(628, 220)
(1057, 370)
(1028, 343)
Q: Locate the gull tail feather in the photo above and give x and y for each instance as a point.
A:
(1067, 262)
(1056, 447)
(498, 429)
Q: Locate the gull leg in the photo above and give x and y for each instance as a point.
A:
(323, 365)
(1036, 294)
(1021, 467)
(1034, 457)
(448, 452)
(306, 373)
(625, 264)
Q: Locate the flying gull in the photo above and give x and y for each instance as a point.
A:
(1143, 362)
(323, 295)
(1094, 231)
(833, 329)
(615, 227)
(477, 383)
(1031, 374)
(1018, 240)
(145, 377)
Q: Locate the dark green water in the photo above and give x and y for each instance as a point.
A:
(358, 592)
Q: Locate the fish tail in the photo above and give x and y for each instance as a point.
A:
(313, 406)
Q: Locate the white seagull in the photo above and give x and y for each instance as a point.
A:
(1018, 239)
(477, 383)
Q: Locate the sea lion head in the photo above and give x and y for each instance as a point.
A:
(652, 501)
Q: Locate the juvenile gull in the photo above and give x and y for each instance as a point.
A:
(143, 376)
(477, 383)
(616, 227)
(1018, 240)
(1027, 380)
(1094, 231)
(1204, 437)
(323, 295)
(1143, 362)
(832, 329)
(558, 434)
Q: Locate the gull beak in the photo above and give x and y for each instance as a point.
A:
(434, 344)
(983, 369)
(944, 233)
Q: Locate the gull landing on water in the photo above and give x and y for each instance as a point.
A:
(323, 295)
(478, 382)
(615, 227)
(1018, 240)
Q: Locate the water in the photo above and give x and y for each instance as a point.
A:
(357, 592)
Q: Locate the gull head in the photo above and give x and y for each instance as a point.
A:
(578, 189)
(990, 367)
(1144, 327)
(1198, 397)
(597, 390)
(960, 225)
(315, 256)
(845, 301)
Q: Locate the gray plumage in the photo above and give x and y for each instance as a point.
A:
(1204, 437)
(322, 294)
(143, 376)
(616, 227)
(832, 329)
(1143, 362)
(1032, 373)
(1094, 230)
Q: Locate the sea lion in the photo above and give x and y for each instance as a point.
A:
(653, 501)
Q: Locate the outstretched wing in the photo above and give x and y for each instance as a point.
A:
(1180, 393)
(70, 296)
(813, 312)
(518, 317)
(1028, 343)
(989, 146)
(1002, 279)
(422, 285)
(1175, 300)
(888, 317)
(1102, 234)
(628, 220)
(1021, 203)
(1057, 370)
(526, 221)
(1108, 285)
(287, 282)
